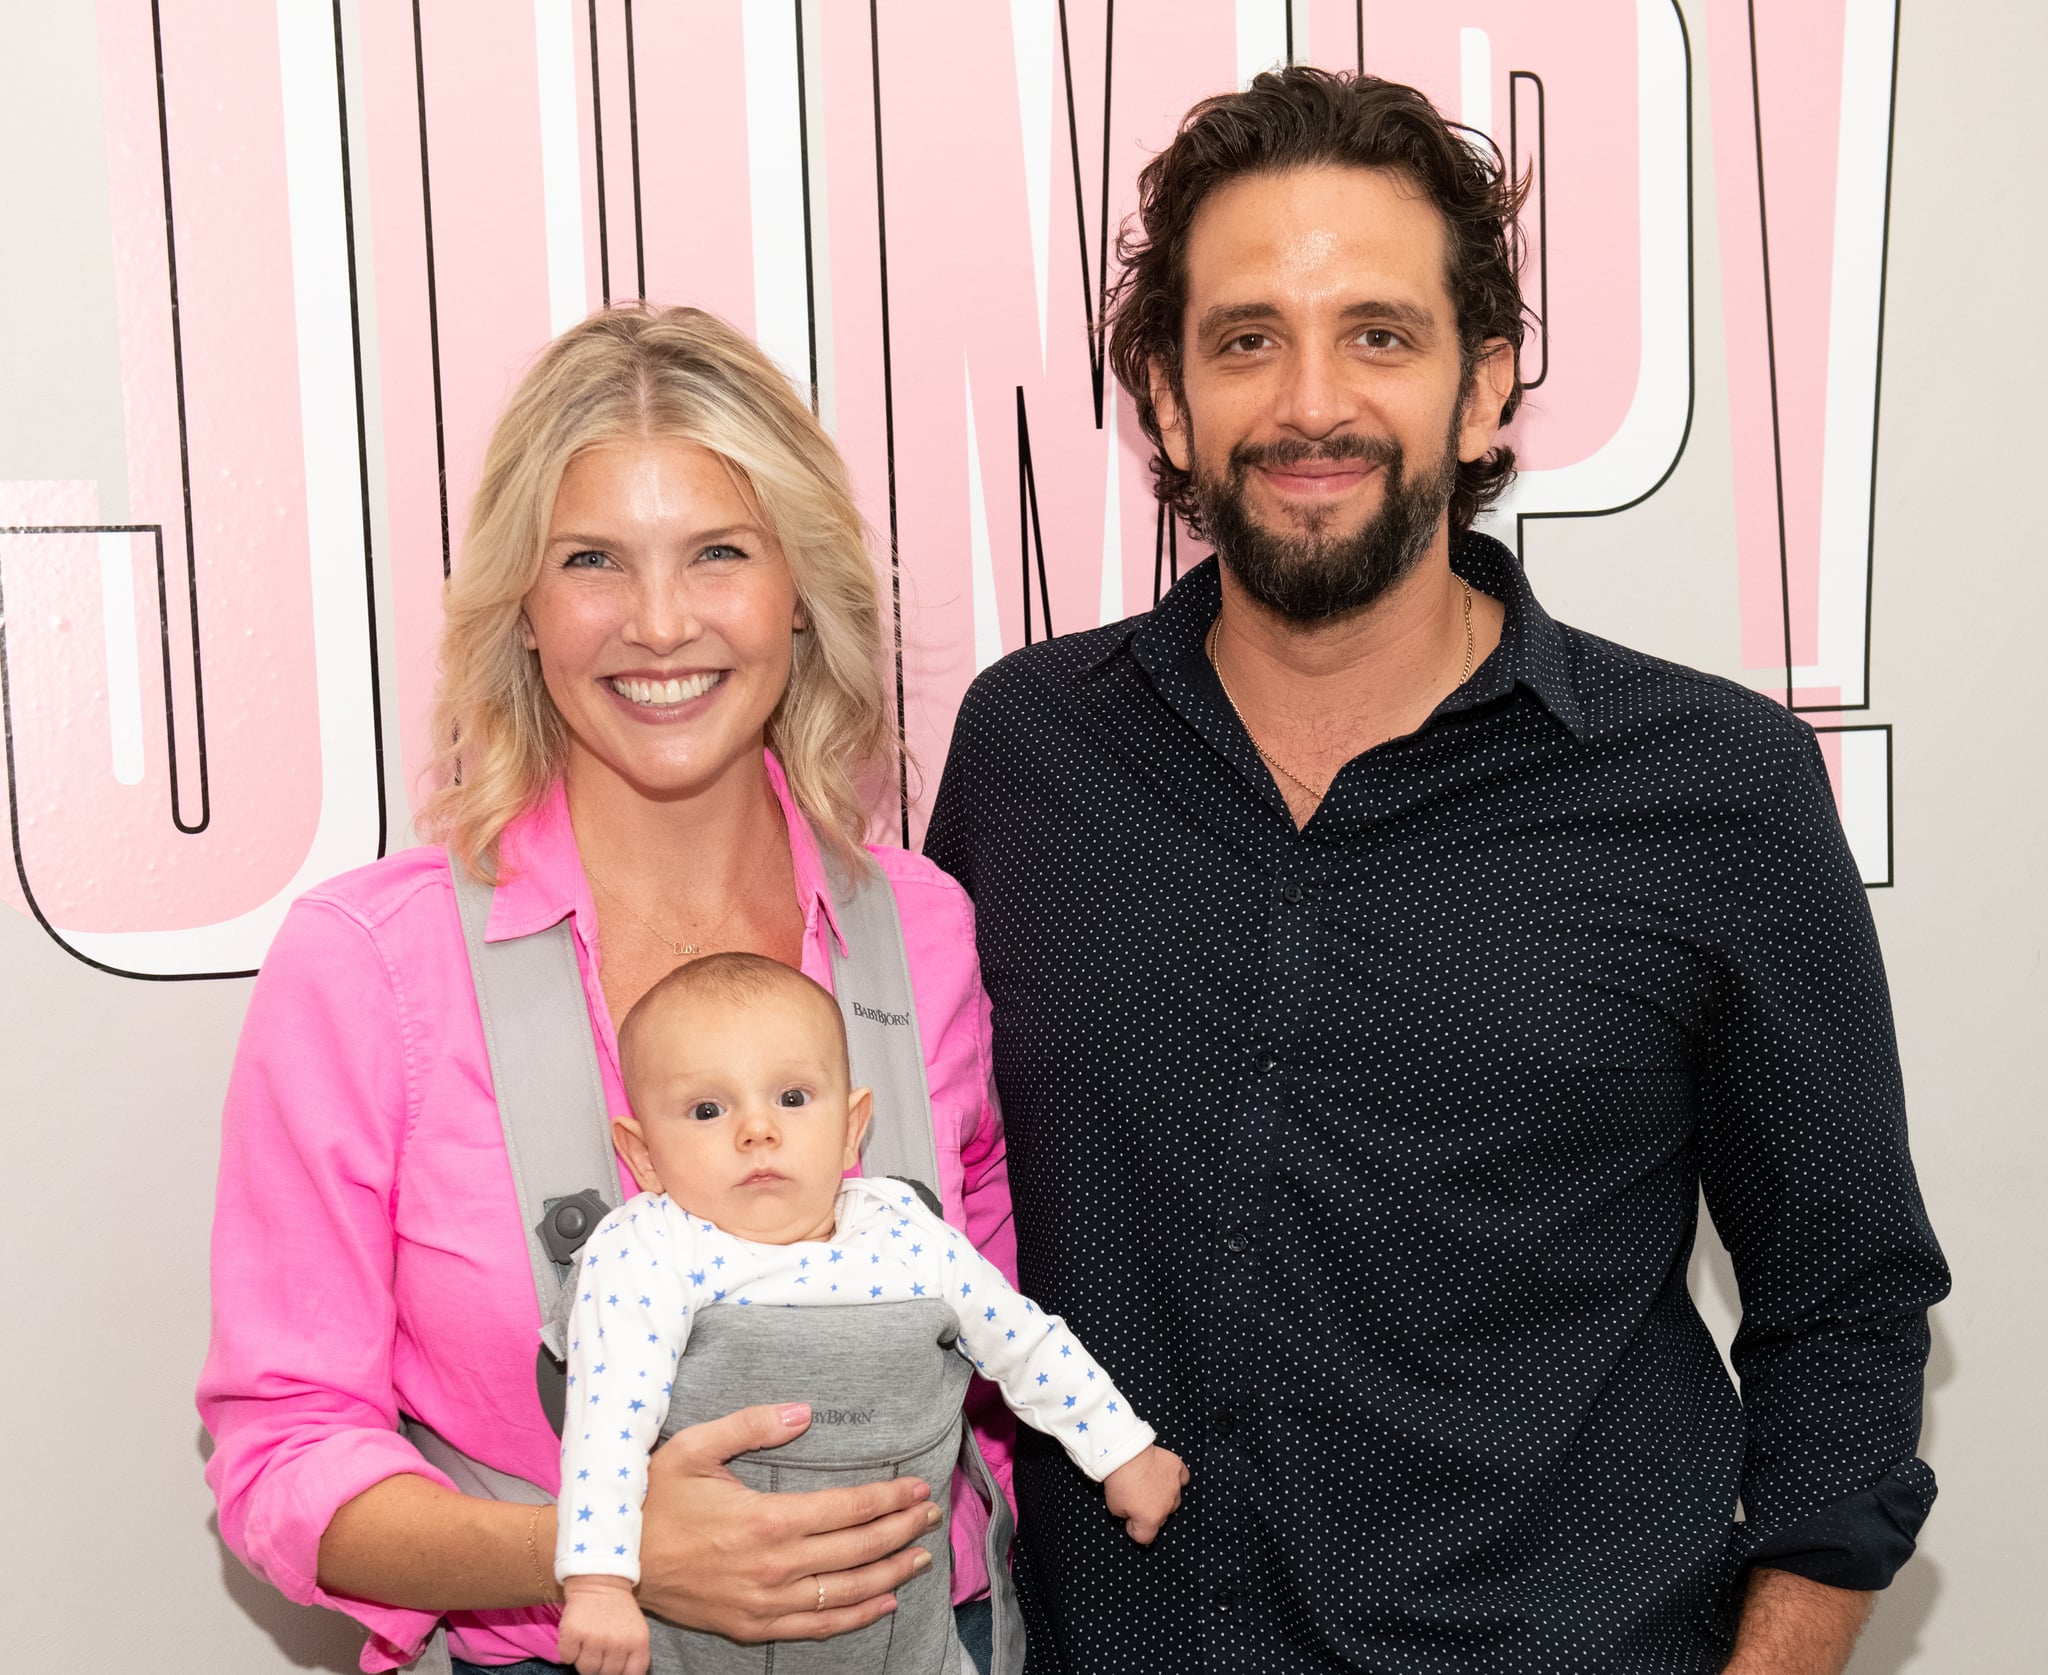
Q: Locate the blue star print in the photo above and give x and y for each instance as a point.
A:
(914, 1256)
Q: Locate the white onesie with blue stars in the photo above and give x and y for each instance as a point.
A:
(651, 1267)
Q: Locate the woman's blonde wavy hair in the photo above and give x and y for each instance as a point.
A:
(627, 373)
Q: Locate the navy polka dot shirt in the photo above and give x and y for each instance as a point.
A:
(1367, 1156)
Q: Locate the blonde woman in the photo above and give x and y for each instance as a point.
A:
(661, 699)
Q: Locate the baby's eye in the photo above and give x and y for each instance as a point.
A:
(707, 1110)
(792, 1098)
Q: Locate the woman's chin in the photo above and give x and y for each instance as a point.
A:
(663, 776)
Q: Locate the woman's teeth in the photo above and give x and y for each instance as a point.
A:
(652, 692)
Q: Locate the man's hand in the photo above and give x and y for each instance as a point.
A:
(1144, 1491)
(603, 1632)
(715, 1555)
(1791, 1626)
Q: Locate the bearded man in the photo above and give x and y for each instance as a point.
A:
(1381, 970)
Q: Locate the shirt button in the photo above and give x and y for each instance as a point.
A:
(1237, 1243)
(1230, 1596)
(1226, 1422)
(1268, 1062)
(1292, 891)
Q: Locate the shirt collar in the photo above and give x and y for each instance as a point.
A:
(1532, 650)
(541, 879)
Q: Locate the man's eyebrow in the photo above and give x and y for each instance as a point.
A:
(1233, 314)
(1416, 318)
(1410, 315)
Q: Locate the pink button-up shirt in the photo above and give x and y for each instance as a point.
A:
(368, 1257)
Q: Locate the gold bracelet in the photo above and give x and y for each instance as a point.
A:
(550, 1589)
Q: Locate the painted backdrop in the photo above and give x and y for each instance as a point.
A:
(337, 234)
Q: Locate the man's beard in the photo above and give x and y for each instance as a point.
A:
(1312, 575)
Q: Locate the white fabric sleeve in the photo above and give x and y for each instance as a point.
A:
(1046, 1375)
(627, 1329)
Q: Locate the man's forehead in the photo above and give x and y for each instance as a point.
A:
(1330, 229)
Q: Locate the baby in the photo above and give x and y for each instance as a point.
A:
(742, 1130)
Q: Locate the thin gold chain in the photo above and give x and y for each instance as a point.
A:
(682, 950)
(1265, 755)
(1465, 673)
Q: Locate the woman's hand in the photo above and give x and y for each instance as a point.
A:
(716, 1555)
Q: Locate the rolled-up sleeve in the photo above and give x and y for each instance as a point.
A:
(297, 1388)
(1806, 1171)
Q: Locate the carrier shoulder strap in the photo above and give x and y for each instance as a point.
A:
(871, 981)
(529, 994)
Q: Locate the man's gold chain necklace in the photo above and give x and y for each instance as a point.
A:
(1265, 755)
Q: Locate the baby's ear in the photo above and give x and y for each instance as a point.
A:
(631, 1145)
(860, 1106)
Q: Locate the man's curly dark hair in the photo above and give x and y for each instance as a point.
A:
(1303, 117)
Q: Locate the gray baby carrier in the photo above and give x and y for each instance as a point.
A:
(884, 1383)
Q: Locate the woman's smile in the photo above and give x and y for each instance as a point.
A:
(663, 692)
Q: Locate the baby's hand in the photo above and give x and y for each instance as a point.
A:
(603, 1632)
(1142, 1492)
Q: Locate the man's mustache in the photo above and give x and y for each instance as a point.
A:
(1297, 450)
